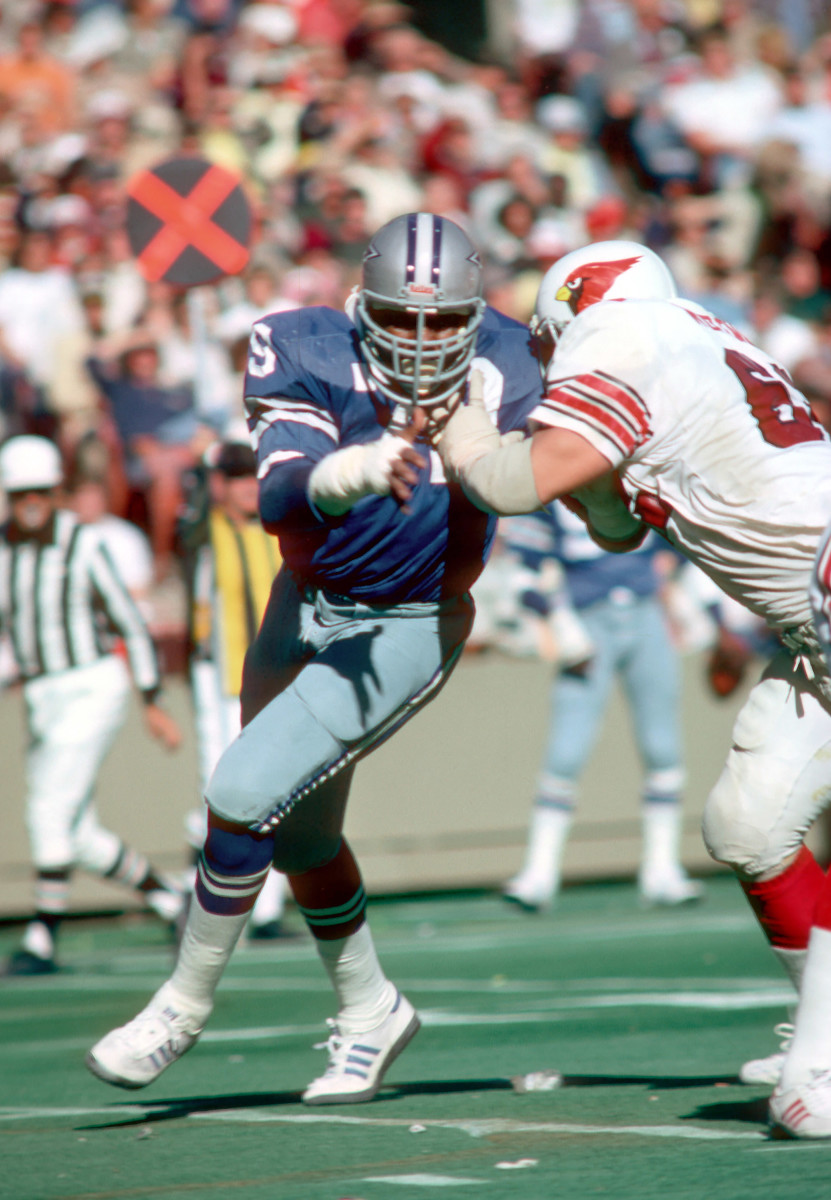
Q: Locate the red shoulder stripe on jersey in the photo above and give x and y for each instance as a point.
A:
(609, 395)
(616, 410)
(611, 429)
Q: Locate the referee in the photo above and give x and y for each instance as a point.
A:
(63, 607)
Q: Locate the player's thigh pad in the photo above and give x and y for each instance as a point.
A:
(776, 780)
(370, 673)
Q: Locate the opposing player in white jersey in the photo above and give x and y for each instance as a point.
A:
(657, 414)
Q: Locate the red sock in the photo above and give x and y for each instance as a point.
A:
(786, 906)
(822, 909)
(331, 897)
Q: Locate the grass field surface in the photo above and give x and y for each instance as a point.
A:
(647, 1014)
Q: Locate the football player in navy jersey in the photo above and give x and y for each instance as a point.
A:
(366, 621)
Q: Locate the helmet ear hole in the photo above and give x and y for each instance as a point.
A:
(419, 308)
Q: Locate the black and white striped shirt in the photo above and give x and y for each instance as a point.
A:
(62, 602)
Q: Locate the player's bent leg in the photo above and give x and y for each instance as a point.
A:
(774, 785)
(231, 870)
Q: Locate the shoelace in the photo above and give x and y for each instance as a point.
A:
(784, 1030)
(334, 1044)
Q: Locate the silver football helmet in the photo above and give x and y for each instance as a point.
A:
(420, 271)
(616, 270)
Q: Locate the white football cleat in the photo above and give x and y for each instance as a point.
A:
(167, 903)
(136, 1053)
(768, 1071)
(358, 1062)
(803, 1111)
(668, 887)
(530, 894)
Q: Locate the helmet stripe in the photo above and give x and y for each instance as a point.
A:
(436, 270)
(423, 245)
(412, 233)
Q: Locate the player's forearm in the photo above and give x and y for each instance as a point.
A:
(610, 523)
(283, 495)
(502, 480)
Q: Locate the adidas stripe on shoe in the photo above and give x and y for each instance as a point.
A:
(358, 1062)
(136, 1053)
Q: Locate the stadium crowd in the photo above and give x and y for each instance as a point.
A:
(700, 127)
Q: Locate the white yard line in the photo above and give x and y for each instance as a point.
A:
(472, 1127)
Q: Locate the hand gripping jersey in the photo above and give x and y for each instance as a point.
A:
(307, 394)
(713, 444)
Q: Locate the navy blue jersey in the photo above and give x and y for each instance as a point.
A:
(307, 393)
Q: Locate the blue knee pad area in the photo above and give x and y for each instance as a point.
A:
(237, 852)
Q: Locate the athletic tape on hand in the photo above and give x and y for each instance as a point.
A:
(344, 477)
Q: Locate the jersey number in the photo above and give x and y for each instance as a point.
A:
(261, 357)
(783, 416)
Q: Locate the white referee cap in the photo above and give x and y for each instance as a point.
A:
(29, 462)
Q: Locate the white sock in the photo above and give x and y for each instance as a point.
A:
(547, 838)
(661, 837)
(365, 996)
(204, 952)
(793, 963)
(271, 901)
(811, 1046)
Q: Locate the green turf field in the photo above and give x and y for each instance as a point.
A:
(648, 1016)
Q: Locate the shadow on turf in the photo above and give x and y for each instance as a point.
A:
(753, 1112)
(150, 1111)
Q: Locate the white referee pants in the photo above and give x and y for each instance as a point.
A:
(73, 718)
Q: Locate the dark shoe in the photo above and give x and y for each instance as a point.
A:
(22, 962)
(270, 931)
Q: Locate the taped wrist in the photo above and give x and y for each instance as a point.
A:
(344, 477)
(502, 481)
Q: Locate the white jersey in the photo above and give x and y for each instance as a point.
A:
(713, 444)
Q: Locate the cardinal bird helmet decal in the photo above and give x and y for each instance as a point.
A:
(602, 271)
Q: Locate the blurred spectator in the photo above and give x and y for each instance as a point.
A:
(805, 124)
(73, 397)
(190, 356)
(262, 295)
(38, 305)
(582, 168)
(724, 111)
(804, 293)
(786, 338)
(157, 427)
(31, 78)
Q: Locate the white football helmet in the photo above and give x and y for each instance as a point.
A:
(617, 270)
